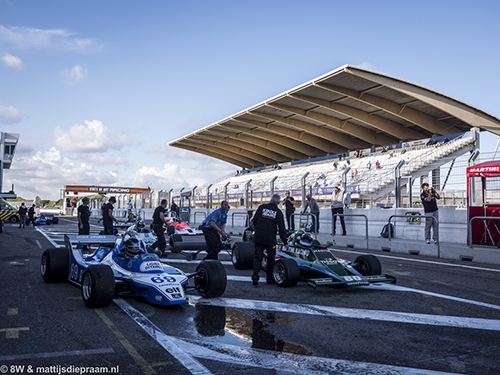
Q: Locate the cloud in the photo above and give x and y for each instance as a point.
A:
(13, 62)
(46, 172)
(58, 39)
(10, 115)
(91, 137)
(76, 75)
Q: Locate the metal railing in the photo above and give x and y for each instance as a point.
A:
(353, 215)
(420, 217)
(247, 220)
(198, 212)
(485, 220)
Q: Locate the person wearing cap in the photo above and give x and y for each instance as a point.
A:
(107, 216)
(83, 217)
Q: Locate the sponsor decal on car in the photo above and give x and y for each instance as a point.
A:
(151, 266)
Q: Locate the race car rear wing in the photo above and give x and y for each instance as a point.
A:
(71, 240)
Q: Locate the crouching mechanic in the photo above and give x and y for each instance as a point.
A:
(266, 221)
(213, 228)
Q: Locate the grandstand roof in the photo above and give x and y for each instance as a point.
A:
(347, 109)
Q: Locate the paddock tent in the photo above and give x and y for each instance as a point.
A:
(347, 109)
(483, 192)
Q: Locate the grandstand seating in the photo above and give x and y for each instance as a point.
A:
(368, 181)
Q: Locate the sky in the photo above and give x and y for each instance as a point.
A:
(97, 89)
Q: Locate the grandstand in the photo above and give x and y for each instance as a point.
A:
(358, 171)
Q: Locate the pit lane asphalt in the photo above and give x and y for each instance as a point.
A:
(440, 316)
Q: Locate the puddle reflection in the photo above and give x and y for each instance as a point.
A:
(228, 325)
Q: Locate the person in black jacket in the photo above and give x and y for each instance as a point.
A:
(267, 220)
(158, 222)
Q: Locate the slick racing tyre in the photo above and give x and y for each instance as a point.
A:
(210, 279)
(54, 265)
(48, 222)
(55, 220)
(172, 240)
(286, 272)
(242, 255)
(98, 285)
(367, 264)
(170, 230)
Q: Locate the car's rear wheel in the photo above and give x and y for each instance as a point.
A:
(170, 230)
(211, 278)
(242, 255)
(98, 285)
(286, 272)
(54, 265)
(367, 264)
(13, 219)
(48, 222)
(55, 220)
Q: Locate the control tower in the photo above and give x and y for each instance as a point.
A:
(8, 143)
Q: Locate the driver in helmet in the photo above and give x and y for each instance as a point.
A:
(139, 226)
(132, 247)
(306, 239)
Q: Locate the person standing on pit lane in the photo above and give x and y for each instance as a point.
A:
(289, 203)
(22, 215)
(337, 207)
(311, 203)
(107, 216)
(267, 220)
(83, 217)
(213, 228)
(174, 208)
(31, 216)
(429, 198)
(158, 222)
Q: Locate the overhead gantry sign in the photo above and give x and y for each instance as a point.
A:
(106, 189)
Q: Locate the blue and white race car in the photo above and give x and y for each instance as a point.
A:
(123, 267)
(45, 219)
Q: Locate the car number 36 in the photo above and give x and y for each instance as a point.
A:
(352, 278)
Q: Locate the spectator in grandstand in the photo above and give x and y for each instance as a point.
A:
(377, 165)
(313, 206)
(348, 162)
(335, 165)
(391, 155)
(213, 228)
(369, 165)
(429, 199)
(158, 221)
(446, 140)
(84, 216)
(357, 153)
(107, 216)
(337, 207)
(289, 203)
(130, 205)
(268, 220)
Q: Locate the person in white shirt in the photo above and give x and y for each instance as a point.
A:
(337, 207)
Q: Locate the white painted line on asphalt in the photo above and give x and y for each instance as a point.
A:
(180, 353)
(285, 362)
(290, 363)
(39, 244)
(398, 288)
(387, 316)
(48, 238)
(421, 261)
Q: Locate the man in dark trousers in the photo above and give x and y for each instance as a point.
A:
(158, 221)
(429, 198)
(107, 216)
(267, 220)
(174, 208)
(31, 215)
(213, 228)
(83, 217)
(289, 203)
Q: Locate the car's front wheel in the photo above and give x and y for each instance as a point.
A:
(98, 285)
(13, 219)
(286, 272)
(242, 255)
(210, 279)
(367, 264)
(54, 265)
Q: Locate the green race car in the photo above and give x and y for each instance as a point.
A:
(307, 259)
